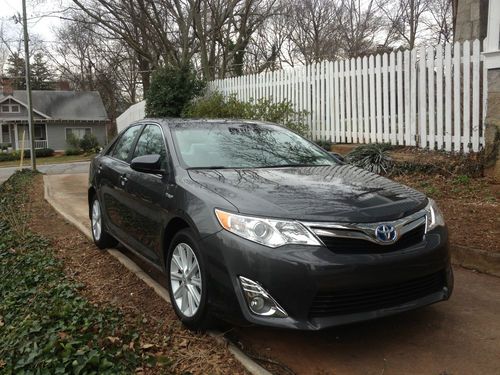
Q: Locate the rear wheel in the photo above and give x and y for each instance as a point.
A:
(187, 281)
(102, 239)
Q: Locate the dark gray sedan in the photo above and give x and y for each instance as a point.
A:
(250, 222)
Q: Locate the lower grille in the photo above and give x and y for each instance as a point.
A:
(341, 245)
(363, 300)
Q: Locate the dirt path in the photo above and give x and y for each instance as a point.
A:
(461, 336)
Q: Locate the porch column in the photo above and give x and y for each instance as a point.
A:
(16, 138)
(492, 80)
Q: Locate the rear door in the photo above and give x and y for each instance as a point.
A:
(113, 170)
(149, 195)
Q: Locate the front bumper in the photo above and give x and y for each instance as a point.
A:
(296, 275)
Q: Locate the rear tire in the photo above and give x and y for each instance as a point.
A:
(102, 239)
(187, 281)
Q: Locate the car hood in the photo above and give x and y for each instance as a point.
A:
(325, 193)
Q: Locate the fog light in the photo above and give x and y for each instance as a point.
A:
(259, 301)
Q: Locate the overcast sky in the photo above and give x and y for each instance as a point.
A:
(42, 17)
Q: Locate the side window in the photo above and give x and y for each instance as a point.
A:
(124, 144)
(150, 142)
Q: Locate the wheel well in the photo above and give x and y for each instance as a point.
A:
(172, 228)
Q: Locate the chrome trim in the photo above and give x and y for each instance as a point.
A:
(366, 231)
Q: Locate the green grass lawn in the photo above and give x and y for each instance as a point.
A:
(57, 159)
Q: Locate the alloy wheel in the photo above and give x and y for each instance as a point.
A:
(96, 220)
(185, 279)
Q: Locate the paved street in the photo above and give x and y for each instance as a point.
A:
(63, 168)
(460, 336)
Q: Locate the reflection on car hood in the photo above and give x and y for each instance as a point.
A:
(324, 193)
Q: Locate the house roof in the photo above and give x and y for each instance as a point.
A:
(65, 105)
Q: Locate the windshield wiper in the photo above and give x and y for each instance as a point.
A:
(210, 167)
(294, 165)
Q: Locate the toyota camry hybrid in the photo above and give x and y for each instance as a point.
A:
(251, 223)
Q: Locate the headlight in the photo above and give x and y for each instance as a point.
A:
(434, 216)
(268, 232)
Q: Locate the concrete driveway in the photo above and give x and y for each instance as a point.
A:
(62, 168)
(460, 336)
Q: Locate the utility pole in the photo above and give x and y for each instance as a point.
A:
(28, 88)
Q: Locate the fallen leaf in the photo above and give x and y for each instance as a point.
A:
(112, 339)
(147, 346)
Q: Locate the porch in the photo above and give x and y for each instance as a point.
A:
(12, 135)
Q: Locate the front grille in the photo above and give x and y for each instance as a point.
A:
(371, 299)
(341, 245)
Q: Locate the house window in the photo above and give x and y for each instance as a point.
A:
(78, 132)
(40, 133)
(12, 108)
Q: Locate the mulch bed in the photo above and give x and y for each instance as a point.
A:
(108, 283)
(471, 207)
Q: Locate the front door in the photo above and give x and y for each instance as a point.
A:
(5, 135)
(147, 192)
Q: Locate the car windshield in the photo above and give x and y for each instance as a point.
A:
(219, 145)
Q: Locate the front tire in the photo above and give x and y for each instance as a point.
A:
(102, 239)
(187, 281)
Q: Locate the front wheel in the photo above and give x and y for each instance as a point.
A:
(102, 239)
(188, 281)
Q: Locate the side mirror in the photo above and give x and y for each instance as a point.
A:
(147, 164)
(337, 156)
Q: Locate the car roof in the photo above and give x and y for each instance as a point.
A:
(180, 122)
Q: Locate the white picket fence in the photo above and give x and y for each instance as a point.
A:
(427, 97)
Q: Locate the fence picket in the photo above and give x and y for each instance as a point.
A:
(413, 97)
(342, 101)
(431, 98)
(466, 92)
(422, 109)
(476, 66)
(439, 97)
(457, 88)
(385, 108)
(392, 94)
(448, 97)
(378, 82)
(371, 72)
(400, 103)
(366, 102)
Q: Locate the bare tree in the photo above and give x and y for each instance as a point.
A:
(441, 20)
(360, 24)
(406, 18)
(314, 29)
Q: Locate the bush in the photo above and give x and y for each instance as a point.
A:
(40, 153)
(89, 143)
(73, 151)
(326, 145)
(215, 105)
(171, 89)
(8, 157)
(372, 157)
(73, 141)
